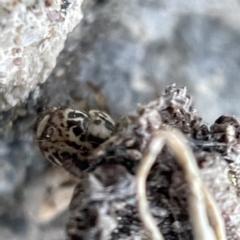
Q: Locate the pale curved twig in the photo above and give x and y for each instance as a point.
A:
(199, 194)
(144, 168)
(215, 215)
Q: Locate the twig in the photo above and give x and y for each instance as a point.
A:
(199, 198)
(145, 166)
(197, 209)
(215, 216)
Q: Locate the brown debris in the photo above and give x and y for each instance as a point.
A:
(190, 190)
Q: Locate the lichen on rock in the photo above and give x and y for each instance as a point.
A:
(32, 36)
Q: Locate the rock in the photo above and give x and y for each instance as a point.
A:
(32, 35)
(130, 50)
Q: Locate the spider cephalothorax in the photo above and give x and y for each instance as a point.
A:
(67, 137)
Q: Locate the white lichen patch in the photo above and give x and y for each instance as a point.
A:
(32, 35)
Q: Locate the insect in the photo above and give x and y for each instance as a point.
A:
(67, 137)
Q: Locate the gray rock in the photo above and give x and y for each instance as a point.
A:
(130, 50)
(32, 35)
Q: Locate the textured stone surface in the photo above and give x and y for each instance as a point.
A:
(32, 35)
(130, 50)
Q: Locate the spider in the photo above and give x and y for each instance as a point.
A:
(67, 137)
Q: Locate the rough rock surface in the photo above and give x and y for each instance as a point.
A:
(127, 48)
(32, 36)
(138, 47)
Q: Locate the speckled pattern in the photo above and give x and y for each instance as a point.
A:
(67, 137)
(32, 35)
